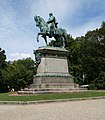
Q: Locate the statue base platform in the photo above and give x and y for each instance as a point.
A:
(52, 72)
(52, 81)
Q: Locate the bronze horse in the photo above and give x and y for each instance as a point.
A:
(45, 31)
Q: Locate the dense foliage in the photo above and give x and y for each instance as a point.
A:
(18, 74)
(3, 87)
(91, 58)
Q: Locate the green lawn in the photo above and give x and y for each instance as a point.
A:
(7, 97)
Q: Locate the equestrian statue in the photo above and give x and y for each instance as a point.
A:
(50, 29)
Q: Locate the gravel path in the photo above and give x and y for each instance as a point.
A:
(73, 110)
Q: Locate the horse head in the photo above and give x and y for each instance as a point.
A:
(37, 20)
(41, 23)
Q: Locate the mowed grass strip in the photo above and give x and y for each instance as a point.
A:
(7, 97)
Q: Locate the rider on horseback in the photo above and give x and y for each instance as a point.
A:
(52, 31)
(52, 24)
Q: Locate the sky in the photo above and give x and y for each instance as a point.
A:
(18, 30)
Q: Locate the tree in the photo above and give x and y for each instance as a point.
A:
(2, 59)
(74, 59)
(92, 56)
(2, 66)
(19, 74)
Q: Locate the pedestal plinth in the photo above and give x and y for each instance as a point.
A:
(52, 71)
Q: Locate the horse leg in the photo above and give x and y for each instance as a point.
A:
(43, 35)
(38, 37)
(63, 42)
(45, 38)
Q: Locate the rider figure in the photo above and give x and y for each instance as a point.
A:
(52, 24)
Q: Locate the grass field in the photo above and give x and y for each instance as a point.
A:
(7, 97)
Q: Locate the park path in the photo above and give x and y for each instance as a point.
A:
(72, 110)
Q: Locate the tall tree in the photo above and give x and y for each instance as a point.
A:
(74, 59)
(18, 74)
(92, 56)
(2, 66)
(2, 59)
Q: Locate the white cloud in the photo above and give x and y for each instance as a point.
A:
(16, 56)
(60, 8)
(81, 30)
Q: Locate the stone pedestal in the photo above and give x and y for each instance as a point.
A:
(52, 71)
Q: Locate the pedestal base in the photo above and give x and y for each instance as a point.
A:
(52, 72)
(52, 81)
